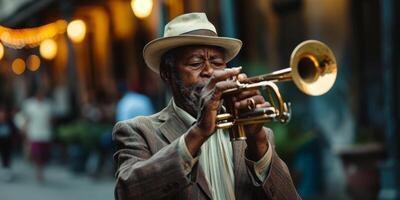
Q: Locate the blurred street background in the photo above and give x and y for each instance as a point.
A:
(60, 184)
(69, 69)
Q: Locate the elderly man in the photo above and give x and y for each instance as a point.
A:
(178, 153)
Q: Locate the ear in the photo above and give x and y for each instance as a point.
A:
(165, 77)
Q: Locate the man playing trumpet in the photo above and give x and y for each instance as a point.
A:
(179, 153)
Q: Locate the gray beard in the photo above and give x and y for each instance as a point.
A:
(191, 97)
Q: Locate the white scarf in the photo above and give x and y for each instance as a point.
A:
(216, 159)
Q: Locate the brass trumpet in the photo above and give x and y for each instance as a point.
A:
(313, 70)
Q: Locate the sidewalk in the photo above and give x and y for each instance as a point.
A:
(60, 184)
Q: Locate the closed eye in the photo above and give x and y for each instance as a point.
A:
(196, 65)
(218, 63)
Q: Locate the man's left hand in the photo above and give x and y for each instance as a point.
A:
(257, 140)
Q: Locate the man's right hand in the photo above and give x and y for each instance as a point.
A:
(210, 102)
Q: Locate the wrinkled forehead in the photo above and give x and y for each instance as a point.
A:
(198, 50)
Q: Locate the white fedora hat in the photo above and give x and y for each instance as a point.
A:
(188, 29)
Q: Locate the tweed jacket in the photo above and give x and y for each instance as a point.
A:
(150, 167)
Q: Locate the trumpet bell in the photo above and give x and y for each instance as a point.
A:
(314, 67)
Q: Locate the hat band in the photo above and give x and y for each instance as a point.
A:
(204, 32)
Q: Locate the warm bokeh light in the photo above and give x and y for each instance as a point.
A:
(48, 49)
(33, 62)
(1, 51)
(76, 30)
(18, 66)
(31, 37)
(142, 8)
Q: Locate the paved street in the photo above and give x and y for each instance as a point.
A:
(60, 184)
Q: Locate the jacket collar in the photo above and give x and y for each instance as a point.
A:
(172, 126)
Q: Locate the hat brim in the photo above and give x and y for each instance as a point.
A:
(155, 49)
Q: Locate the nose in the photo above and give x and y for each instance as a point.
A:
(207, 70)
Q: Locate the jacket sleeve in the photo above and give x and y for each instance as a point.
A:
(142, 174)
(278, 183)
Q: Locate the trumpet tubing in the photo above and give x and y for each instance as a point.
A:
(312, 68)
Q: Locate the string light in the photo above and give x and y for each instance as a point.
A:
(33, 62)
(1, 51)
(18, 66)
(142, 8)
(76, 30)
(31, 37)
(48, 49)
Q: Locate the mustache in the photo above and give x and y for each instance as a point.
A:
(195, 91)
(193, 99)
(191, 96)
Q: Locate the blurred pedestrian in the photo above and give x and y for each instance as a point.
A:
(133, 104)
(38, 114)
(6, 134)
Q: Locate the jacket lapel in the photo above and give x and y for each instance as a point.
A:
(172, 128)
